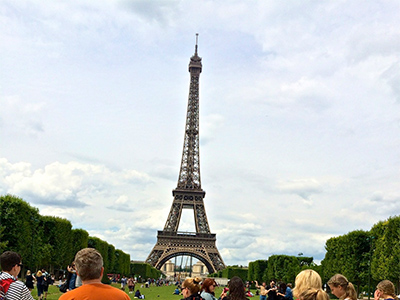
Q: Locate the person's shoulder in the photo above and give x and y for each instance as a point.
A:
(115, 291)
(18, 285)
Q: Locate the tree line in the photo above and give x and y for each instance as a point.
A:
(50, 242)
(364, 257)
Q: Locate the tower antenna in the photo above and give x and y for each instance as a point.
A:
(197, 39)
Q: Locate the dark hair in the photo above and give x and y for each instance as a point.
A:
(282, 287)
(236, 289)
(206, 285)
(9, 259)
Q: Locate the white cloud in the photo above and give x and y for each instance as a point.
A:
(299, 124)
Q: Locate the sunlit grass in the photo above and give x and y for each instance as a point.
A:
(153, 292)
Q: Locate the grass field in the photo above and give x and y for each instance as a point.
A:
(163, 292)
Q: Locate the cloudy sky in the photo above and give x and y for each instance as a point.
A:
(299, 117)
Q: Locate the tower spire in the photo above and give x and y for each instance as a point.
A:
(197, 39)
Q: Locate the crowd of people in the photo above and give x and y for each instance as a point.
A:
(87, 271)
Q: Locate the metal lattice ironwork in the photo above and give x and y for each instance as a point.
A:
(188, 195)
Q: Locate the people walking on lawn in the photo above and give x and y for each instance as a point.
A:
(46, 282)
(131, 285)
(89, 266)
(29, 280)
(11, 264)
(39, 284)
(342, 288)
(385, 290)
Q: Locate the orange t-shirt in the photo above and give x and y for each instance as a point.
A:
(95, 291)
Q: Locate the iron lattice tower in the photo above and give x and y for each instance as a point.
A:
(188, 195)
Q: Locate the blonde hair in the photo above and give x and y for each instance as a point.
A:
(349, 290)
(192, 284)
(313, 294)
(28, 272)
(306, 279)
(387, 287)
(39, 273)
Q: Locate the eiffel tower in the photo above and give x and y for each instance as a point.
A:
(188, 195)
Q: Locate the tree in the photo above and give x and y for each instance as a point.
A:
(80, 240)
(57, 233)
(21, 233)
(348, 255)
(283, 267)
(386, 254)
(256, 270)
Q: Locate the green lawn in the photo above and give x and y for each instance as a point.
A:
(163, 292)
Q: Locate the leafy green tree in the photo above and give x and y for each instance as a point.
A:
(3, 241)
(57, 233)
(348, 255)
(256, 270)
(386, 255)
(232, 271)
(80, 238)
(22, 229)
(283, 267)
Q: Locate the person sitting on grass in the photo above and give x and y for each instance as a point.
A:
(177, 291)
(138, 295)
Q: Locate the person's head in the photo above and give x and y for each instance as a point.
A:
(191, 286)
(386, 288)
(236, 288)
(39, 273)
(11, 262)
(306, 279)
(272, 283)
(28, 272)
(341, 287)
(209, 285)
(89, 264)
(313, 294)
(289, 285)
(282, 287)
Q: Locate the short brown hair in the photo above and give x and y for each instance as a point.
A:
(9, 259)
(89, 263)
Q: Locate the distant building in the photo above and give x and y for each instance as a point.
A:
(198, 270)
